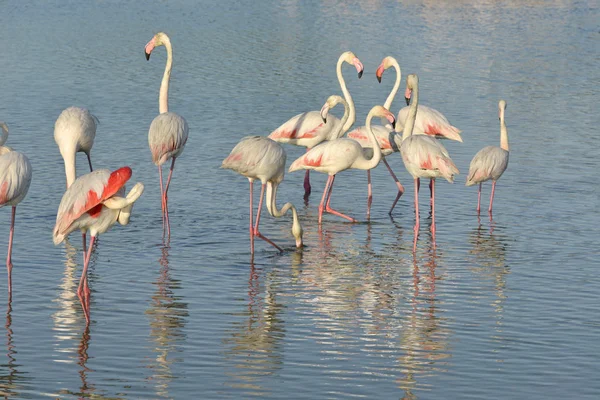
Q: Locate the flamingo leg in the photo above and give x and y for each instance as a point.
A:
(167, 198)
(370, 194)
(162, 197)
(251, 217)
(322, 204)
(83, 239)
(492, 196)
(432, 186)
(417, 185)
(431, 192)
(83, 289)
(307, 188)
(10, 243)
(256, 232)
(89, 162)
(400, 187)
(331, 210)
(479, 198)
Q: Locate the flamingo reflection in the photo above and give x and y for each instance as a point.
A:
(9, 382)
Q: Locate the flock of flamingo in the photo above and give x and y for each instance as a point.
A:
(94, 202)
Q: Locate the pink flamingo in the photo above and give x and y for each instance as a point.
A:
(340, 154)
(15, 177)
(490, 162)
(389, 140)
(423, 156)
(94, 203)
(257, 157)
(75, 131)
(169, 131)
(308, 129)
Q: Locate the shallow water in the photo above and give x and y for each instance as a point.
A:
(501, 308)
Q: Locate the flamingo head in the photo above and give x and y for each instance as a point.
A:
(350, 58)
(412, 81)
(386, 63)
(331, 102)
(160, 39)
(501, 108)
(382, 112)
(297, 232)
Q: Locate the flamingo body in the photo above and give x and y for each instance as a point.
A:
(426, 157)
(429, 122)
(167, 136)
(389, 141)
(15, 178)
(330, 157)
(489, 163)
(306, 129)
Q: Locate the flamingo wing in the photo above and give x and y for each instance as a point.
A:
(425, 156)
(329, 157)
(384, 136)
(15, 177)
(86, 195)
(306, 129)
(167, 136)
(256, 157)
(431, 122)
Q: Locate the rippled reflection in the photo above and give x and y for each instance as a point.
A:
(425, 334)
(11, 377)
(255, 341)
(167, 314)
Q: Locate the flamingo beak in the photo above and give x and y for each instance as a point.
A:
(379, 73)
(149, 47)
(147, 56)
(324, 112)
(407, 100)
(359, 67)
(407, 94)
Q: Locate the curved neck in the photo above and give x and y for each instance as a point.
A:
(341, 129)
(70, 172)
(388, 102)
(3, 133)
(352, 115)
(163, 97)
(503, 132)
(363, 163)
(272, 208)
(412, 113)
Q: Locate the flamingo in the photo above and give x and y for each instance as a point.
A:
(94, 203)
(15, 177)
(169, 131)
(75, 131)
(389, 140)
(490, 162)
(423, 155)
(258, 157)
(340, 154)
(308, 129)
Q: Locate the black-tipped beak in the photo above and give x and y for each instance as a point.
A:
(378, 79)
(324, 120)
(407, 100)
(360, 74)
(394, 124)
(147, 56)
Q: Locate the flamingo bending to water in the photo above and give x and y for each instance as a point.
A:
(94, 203)
(491, 161)
(389, 140)
(257, 157)
(340, 154)
(423, 156)
(169, 131)
(308, 129)
(15, 178)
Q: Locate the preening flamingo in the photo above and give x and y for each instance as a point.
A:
(340, 154)
(308, 129)
(169, 131)
(94, 203)
(261, 158)
(423, 156)
(389, 140)
(491, 161)
(15, 177)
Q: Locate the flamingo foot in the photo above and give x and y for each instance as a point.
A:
(339, 214)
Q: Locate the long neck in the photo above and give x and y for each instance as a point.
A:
(388, 102)
(352, 116)
(503, 132)
(363, 163)
(412, 113)
(163, 97)
(339, 132)
(69, 159)
(272, 208)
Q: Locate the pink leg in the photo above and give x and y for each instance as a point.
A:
(417, 185)
(83, 237)
(251, 217)
(89, 161)
(83, 289)
(322, 204)
(492, 196)
(432, 186)
(256, 232)
(10, 243)
(167, 198)
(431, 192)
(331, 210)
(370, 194)
(400, 187)
(307, 188)
(162, 197)
(479, 198)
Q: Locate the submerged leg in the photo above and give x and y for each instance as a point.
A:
(431, 192)
(492, 196)
(322, 204)
(251, 217)
(417, 185)
(400, 187)
(83, 289)
(9, 255)
(256, 232)
(307, 188)
(331, 210)
(167, 198)
(369, 194)
(479, 198)
(162, 197)
(432, 185)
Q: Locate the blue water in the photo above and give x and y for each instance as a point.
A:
(501, 308)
